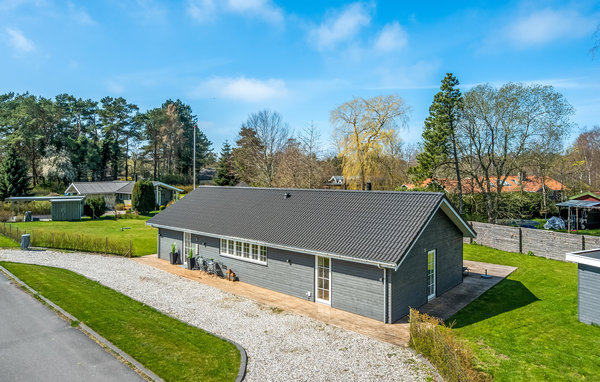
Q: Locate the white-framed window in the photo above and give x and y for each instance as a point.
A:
(187, 244)
(244, 250)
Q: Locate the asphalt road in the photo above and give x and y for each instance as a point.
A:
(37, 345)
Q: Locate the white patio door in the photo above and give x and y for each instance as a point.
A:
(323, 280)
(431, 274)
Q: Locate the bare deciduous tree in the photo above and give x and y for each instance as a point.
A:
(500, 127)
(272, 133)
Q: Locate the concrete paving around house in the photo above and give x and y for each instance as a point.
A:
(443, 306)
(473, 286)
(37, 345)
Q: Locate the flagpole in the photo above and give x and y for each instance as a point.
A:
(194, 171)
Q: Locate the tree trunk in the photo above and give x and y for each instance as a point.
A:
(127, 158)
(456, 167)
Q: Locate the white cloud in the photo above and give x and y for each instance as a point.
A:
(18, 41)
(80, 14)
(206, 10)
(547, 25)
(241, 89)
(392, 37)
(260, 8)
(115, 87)
(341, 26)
(201, 10)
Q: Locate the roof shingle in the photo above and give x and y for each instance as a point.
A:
(375, 226)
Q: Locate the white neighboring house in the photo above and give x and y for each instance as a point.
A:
(336, 180)
(122, 190)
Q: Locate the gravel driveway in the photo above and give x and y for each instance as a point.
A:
(281, 346)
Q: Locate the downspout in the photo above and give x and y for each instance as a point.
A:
(385, 297)
(385, 310)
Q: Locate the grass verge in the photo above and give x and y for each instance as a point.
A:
(7, 242)
(168, 347)
(525, 328)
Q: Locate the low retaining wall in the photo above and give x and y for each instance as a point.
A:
(543, 243)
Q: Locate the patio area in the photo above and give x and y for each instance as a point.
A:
(397, 333)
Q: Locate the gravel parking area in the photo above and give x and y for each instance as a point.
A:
(281, 346)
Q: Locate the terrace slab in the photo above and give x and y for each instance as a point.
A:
(397, 333)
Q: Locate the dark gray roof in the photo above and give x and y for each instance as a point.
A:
(372, 226)
(110, 187)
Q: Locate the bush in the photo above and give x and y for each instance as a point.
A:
(142, 199)
(94, 207)
(451, 357)
(69, 240)
(120, 207)
(161, 207)
(511, 205)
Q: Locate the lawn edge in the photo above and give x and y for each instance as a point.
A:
(109, 346)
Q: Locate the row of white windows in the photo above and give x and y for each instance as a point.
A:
(244, 250)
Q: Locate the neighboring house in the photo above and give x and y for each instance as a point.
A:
(373, 253)
(581, 211)
(336, 180)
(122, 190)
(512, 183)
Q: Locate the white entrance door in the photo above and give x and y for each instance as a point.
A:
(431, 274)
(323, 280)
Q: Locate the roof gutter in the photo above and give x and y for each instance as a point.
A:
(378, 264)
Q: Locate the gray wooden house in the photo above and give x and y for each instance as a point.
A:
(374, 253)
(588, 284)
(122, 190)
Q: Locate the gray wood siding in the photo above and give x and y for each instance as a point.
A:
(294, 278)
(589, 294)
(165, 239)
(409, 282)
(357, 288)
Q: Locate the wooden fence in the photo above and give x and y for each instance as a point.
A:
(540, 242)
(71, 241)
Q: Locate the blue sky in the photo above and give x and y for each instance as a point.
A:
(230, 58)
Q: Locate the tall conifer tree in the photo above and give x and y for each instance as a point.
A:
(14, 180)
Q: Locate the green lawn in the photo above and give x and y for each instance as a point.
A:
(143, 237)
(6, 242)
(526, 328)
(170, 348)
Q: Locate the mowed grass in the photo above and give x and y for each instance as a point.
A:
(526, 328)
(143, 238)
(173, 350)
(6, 242)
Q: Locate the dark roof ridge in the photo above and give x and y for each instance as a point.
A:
(325, 190)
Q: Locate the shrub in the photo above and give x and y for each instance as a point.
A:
(161, 207)
(452, 358)
(94, 207)
(69, 240)
(119, 206)
(142, 199)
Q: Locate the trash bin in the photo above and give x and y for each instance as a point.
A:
(28, 217)
(25, 241)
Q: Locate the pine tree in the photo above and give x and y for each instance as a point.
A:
(439, 135)
(14, 180)
(225, 173)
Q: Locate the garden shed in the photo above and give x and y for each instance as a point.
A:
(63, 208)
(588, 286)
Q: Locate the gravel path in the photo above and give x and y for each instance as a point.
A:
(281, 346)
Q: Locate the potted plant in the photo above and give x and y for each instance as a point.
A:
(190, 262)
(173, 254)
